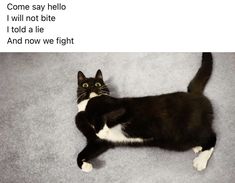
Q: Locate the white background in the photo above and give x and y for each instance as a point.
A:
(130, 26)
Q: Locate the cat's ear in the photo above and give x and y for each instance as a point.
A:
(81, 77)
(99, 75)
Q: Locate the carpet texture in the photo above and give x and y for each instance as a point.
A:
(38, 138)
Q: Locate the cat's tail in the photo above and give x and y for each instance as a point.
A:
(200, 80)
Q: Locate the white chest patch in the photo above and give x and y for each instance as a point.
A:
(82, 105)
(116, 134)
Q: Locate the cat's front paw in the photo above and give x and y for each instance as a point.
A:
(86, 167)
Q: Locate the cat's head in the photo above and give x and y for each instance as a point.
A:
(86, 86)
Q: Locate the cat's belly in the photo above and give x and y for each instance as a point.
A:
(115, 134)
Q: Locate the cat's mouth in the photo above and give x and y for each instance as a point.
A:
(92, 95)
(95, 94)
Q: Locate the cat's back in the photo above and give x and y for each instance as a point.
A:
(177, 101)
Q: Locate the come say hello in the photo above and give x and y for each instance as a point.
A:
(37, 7)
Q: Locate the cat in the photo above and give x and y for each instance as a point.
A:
(177, 121)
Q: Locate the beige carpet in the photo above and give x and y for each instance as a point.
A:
(39, 142)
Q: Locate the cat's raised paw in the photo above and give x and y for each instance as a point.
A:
(86, 167)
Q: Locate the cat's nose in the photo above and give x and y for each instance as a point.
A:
(94, 89)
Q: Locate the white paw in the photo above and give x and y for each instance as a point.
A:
(197, 149)
(86, 167)
(199, 163)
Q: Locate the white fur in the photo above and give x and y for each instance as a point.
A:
(197, 149)
(86, 167)
(103, 133)
(82, 105)
(200, 162)
(92, 95)
(115, 134)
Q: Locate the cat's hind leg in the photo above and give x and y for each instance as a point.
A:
(201, 161)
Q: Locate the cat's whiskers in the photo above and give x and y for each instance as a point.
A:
(81, 95)
(81, 89)
(103, 92)
(104, 89)
(106, 84)
(103, 86)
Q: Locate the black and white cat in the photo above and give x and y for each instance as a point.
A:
(176, 121)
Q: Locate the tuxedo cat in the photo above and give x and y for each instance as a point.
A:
(176, 121)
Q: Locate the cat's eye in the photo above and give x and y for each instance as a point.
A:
(97, 84)
(85, 85)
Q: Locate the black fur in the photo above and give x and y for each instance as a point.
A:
(176, 121)
(198, 83)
